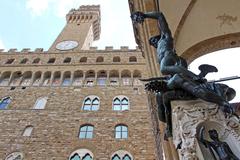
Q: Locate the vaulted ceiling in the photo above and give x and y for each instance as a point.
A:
(198, 26)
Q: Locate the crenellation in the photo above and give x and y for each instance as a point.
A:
(124, 48)
(25, 50)
(109, 48)
(39, 50)
(12, 50)
(93, 48)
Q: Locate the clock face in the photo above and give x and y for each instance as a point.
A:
(66, 45)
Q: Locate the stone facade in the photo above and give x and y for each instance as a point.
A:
(28, 75)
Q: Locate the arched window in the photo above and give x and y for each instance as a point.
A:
(121, 132)
(126, 157)
(81, 154)
(67, 60)
(36, 60)
(10, 61)
(37, 78)
(15, 156)
(5, 102)
(56, 78)
(83, 60)
(99, 59)
(5, 78)
(66, 79)
(46, 78)
(28, 131)
(101, 78)
(87, 157)
(16, 78)
(90, 77)
(132, 59)
(40, 103)
(24, 61)
(78, 78)
(91, 103)
(116, 59)
(126, 77)
(121, 155)
(120, 103)
(86, 132)
(116, 157)
(26, 80)
(114, 77)
(75, 157)
(136, 76)
(51, 60)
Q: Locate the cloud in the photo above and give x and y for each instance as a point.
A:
(58, 7)
(1, 45)
(37, 7)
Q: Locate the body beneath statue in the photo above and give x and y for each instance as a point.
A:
(221, 149)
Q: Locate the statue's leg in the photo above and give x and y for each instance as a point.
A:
(197, 89)
(161, 109)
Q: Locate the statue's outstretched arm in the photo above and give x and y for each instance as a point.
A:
(139, 17)
(163, 25)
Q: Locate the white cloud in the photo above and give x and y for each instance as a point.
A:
(37, 7)
(59, 7)
(1, 45)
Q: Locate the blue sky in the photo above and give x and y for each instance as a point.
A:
(37, 23)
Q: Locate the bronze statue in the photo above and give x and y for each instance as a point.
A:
(180, 83)
(222, 149)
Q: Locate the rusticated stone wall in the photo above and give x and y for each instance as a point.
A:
(56, 128)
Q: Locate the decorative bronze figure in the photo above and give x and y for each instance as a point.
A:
(180, 83)
(222, 149)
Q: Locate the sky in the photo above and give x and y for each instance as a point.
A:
(37, 23)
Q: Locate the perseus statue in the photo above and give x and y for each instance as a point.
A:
(179, 83)
(222, 149)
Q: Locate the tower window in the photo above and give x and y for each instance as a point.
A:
(67, 60)
(120, 103)
(40, 103)
(116, 59)
(83, 60)
(132, 59)
(36, 61)
(5, 102)
(91, 103)
(81, 154)
(28, 131)
(24, 61)
(86, 132)
(9, 61)
(51, 60)
(121, 155)
(121, 132)
(99, 59)
(4, 80)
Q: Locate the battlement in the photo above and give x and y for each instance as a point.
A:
(95, 49)
(87, 14)
(24, 50)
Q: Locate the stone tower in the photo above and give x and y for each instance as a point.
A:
(74, 102)
(82, 28)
